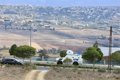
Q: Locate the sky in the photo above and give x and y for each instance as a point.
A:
(62, 3)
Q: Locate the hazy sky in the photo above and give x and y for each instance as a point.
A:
(63, 3)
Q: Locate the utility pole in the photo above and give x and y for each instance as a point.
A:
(5, 24)
(30, 35)
(110, 49)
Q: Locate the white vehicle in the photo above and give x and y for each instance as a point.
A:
(76, 58)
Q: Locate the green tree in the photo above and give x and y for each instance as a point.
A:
(96, 45)
(67, 60)
(116, 57)
(25, 51)
(101, 54)
(43, 54)
(12, 49)
(91, 55)
(63, 53)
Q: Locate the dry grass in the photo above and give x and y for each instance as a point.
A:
(50, 39)
(74, 74)
(53, 39)
(12, 73)
(4, 53)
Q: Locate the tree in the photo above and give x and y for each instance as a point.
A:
(96, 45)
(12, 49)
(91, 55)
(43, 53)
(67, 60)
(25, 51)
(116, 57)
(101, 54)
(63, 53)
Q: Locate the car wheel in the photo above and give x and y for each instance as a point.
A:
(75, 63)
(59, 62)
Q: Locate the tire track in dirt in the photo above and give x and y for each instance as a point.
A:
(41, 75)
(36, 75)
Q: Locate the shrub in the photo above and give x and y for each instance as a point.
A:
(63, 53)
(67, 60)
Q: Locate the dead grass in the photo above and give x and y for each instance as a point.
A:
(75, 74)
(4, 53)
(12, 73)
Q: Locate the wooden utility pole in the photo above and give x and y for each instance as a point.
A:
(110, 49)
(30, 35)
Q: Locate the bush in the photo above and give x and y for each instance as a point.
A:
(63, 53)
(67, 61)
(101, 70)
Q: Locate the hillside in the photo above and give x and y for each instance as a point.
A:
(75, 17)
(58, 27)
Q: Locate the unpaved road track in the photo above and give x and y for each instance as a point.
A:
(36, 75)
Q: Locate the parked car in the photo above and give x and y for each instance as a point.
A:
(11, 61)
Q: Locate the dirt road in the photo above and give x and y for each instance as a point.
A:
(36, 75)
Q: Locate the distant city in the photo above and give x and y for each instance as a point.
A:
(75, 17)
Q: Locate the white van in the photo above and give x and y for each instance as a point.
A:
(76, 58)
